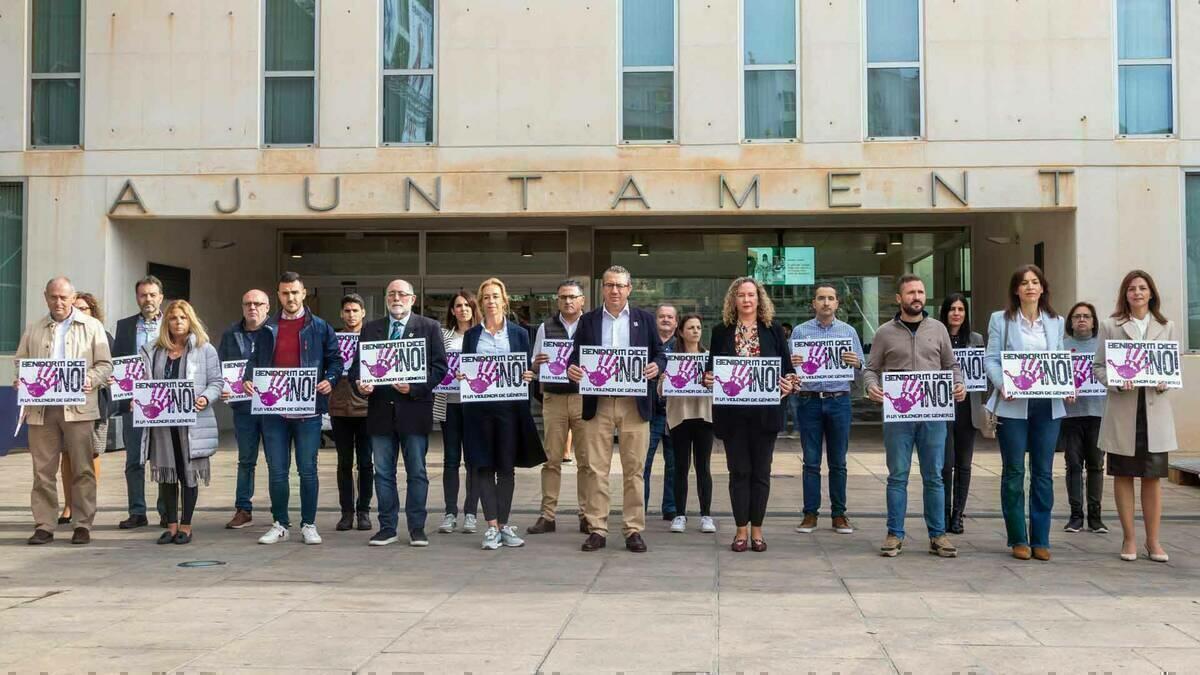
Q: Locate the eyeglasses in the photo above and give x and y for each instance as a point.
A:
(399, 294)
(1077, 317)
(610, 286)
(569, 297)
(254, 304)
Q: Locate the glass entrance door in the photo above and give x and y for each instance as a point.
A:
(531, 299)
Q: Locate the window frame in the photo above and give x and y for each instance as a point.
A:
(315, 74)
(622, 69)
(868, 66)
(385, 72)
(1191, 343)
(23, 181)
(747, 67)
(80, 76)
(1116, 73)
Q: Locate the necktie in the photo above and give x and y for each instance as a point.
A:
(397, 331)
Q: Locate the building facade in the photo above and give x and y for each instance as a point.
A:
(218, 143)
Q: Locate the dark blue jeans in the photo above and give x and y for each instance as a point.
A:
(135, 471)
(1037, 434)
(280, 434)
(658, 432)
(249, 431)
(824, 422)
(930, 441)
(385, 449)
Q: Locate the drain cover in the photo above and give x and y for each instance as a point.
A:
(201, 563)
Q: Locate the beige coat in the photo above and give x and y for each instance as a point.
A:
(85, 340)
(1118, 428)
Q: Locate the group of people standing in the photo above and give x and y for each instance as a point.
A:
(376, 426)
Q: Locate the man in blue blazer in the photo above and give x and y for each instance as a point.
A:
(400, 417)
(617, 324)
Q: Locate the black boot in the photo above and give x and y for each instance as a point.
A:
(956, 523)
(346, 522)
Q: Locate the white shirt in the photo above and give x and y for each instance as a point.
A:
(539, 341)
(615, 329)
(1033, 334)
(1142, 324)
(59, 349)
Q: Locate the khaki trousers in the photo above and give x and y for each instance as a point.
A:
(47, 442)
(562, 413)
(616, 415)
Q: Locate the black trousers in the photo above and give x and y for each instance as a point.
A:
(960, 451)
(748, 452)
(353, 443)
(496, 425)
(170, 491)
(1079, 439)
(693, 439)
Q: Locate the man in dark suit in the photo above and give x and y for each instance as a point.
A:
(400, 417)
(133, 332)
(617, 324)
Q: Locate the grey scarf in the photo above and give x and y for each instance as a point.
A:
(162, 446)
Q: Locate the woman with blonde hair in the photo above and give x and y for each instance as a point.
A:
(748, 328)
(179, 455)
(88, 304)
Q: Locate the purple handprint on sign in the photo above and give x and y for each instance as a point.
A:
(47, 378)
(484, 377)
(684, 375)
(135, 370)
(237, 386)
(452, 359)
(1031, 373)
(157, 404)
(558, 365)
(817, 358)
(739, 378)
(606, 368)
(383, 363)
(276, 392)
(910, 395)
(1135, 362)
(346, 345)
(1082, 369)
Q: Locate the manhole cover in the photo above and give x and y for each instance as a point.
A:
(201, 563)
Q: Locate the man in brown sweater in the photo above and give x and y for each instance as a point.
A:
(913, 341)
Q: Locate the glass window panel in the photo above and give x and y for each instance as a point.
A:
(770, 32)
(648, 103)
(1145, 99)
(408, 109)
(338, 255)
(770, 104)
(481, 254)
(648, 32)
(1192, 197)
(56, 36)
(291, 35)
(892, 30)
(407, 34)
(893, 102)
(288, 110)
(11, 234)
(54, 119)
(1144, 29)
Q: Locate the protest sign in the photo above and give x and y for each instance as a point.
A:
(392, 362)
(685, 375)
(164, 403)
(126, 370)
(51, 381)
(493, 377)
(554, 371)
(823, 359)
(918, 396)
(613, 371)
(745, 380)
(1144, 363)
(284, 391)
(1038, 374)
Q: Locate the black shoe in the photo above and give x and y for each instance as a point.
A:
(1075, 524)
(40, 537)
(167, 537)
(417, 537)
(133, 522)
(542, 526)
(635, 544)
(383, 538)
(363, 521)
(345, 522)
(583, 526)
(182, 537)
(81, 536)
(63, 520)
(595, 542)
(956, 524)
(1097, 526)
(162, 522)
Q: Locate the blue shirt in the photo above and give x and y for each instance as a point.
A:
(494, 344)
(815, 330)
(147, 331)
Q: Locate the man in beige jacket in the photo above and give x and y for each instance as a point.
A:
(64, 333)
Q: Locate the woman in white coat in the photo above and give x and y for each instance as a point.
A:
(1138, 429)
(1026, 425)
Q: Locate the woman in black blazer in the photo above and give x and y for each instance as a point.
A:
(499, 435)
(748, 328)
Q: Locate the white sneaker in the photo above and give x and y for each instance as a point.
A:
(679, 524)
(508, 537)
(491, 539)
(469, 524)
(309, 534)
(276, 534)
(707, 524)
(449, 521)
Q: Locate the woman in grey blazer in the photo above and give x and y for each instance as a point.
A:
(1138, 429)
(179, 456)
(1026, 425)
(968, 417)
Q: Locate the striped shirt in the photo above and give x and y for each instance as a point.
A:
(814, 330)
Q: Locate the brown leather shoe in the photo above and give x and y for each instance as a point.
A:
(634, 543)
(739, 545)
(1040, 553)
(240, 519)
(81, 536)
(542, 526)
(583, 526)
(595, 542)
(1021, 552)
(40, 537)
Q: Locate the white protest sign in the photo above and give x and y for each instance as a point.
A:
(746, 380)
(1144, 363)
(233, 373)
(1086, 383)
(823, 359)
(284, 391)
(1038, 374)
(554, 371)
(164, 403)
(613, 371)
(126, 370)
(449, 383)
(392, 362)
(348, 347)
(493, 377)
(685, 375)
(970, 359)
(51, 381)
(918, 396)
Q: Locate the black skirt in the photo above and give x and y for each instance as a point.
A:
(1143, 463)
